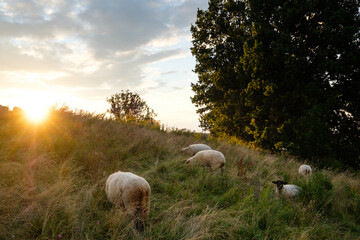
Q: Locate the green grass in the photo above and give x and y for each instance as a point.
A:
(52, 186)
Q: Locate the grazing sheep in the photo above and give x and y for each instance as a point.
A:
(286, 190)
(195, 148)
(130, 192)
(305, 170)
(209, 158)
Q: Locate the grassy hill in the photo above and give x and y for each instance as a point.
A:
(52, 186)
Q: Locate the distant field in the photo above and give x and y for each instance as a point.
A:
(52, 186)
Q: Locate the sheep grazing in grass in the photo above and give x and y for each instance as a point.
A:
(195, 148)
(305, 170)
(286, 190)
(131, 193)
(209, 158)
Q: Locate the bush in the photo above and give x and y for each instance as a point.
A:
(317, 192)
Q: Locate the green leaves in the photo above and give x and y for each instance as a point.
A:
(129, 106)
(289, 65)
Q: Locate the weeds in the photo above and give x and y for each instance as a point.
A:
(52, 186)
(242, 169)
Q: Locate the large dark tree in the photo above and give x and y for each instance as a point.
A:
(281, 74)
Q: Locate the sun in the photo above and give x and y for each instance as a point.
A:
(36, 114)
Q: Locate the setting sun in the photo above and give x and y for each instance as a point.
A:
(36, 110)
(35, 104)
(36, 114)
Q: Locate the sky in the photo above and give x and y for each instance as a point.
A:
(79, 52)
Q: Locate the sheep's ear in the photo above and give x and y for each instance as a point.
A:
(274, 182)
(285, 183)
(187, 161)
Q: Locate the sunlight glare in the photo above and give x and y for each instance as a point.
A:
(36, 114)
(35, 104)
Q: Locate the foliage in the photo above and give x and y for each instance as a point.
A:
(5, 112)
(317, 191)
(281, 75)
(53, 177)
(242, 168)
(129, 106)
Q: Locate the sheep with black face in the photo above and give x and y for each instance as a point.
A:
(283, 189)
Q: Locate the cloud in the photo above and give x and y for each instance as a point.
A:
(119, 73)
(184, 14)
(122, 26)
(38, 19)
(40, 35)
(34, 59)
(93, 48)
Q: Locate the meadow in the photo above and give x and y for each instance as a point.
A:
(52, 186)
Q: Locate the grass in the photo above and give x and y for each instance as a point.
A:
(52, 186)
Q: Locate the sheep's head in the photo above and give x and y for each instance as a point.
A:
(188, 161)
(279, 184)
(184, 150)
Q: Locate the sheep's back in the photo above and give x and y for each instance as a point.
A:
(195, 148)
(305, 170)
(199, 147)
(125, 187)
(290, 190)
(210, 158)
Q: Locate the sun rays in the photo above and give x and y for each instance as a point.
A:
(35, 106)
(36, 115)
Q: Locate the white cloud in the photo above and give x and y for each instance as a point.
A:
(86, 50)
(163, 42)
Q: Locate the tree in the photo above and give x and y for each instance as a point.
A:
(281, 74)
(129, 106)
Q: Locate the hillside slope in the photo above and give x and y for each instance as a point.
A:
(52, 186)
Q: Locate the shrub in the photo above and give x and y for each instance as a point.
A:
(317, 192)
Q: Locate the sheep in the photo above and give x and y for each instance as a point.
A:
(195, 148)
(209, 158)
(286, 190)
(305, 170)
(131, 193)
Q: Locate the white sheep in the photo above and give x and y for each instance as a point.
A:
(286, 190)
(209, 158)
(305, 170)
(129, 192)
(195, 148)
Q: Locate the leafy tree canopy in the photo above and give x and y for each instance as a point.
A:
(129, 106)
(281, 74)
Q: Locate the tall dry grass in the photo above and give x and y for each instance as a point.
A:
(52, 186)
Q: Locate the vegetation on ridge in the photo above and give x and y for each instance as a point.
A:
(53, 175)
(281, 75)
